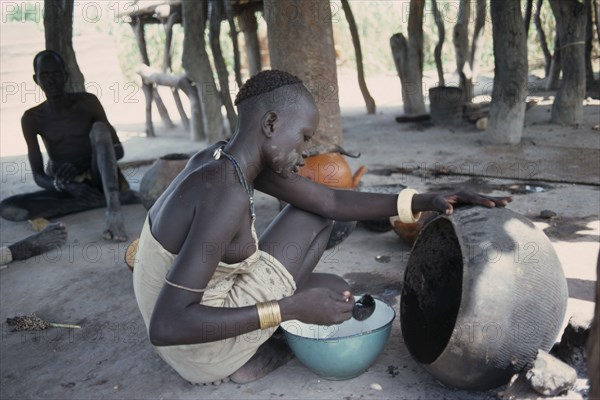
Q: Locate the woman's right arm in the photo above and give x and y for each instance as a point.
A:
(179, 318)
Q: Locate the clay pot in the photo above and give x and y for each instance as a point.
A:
(160, 175)
(332, 169)
(408, 233)
(483, 291)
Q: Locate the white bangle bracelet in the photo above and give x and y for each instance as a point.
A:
(404, 205)
(57, 186)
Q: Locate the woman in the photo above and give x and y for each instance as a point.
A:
(211, 293)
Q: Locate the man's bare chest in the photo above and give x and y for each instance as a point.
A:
(72, 127)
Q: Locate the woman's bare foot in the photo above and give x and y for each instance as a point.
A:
(271, 355)
(51, 237)
(217, 382)
(113, 226)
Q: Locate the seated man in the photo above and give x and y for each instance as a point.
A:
(210, 291)
(83, 148)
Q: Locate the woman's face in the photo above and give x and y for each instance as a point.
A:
(287, 147)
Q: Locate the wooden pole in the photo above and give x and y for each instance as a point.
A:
(301, 42)
(369, 102)
(215, 17)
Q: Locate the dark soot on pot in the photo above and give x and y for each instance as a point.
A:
(432, 292)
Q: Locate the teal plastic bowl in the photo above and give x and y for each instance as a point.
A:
(344, 351)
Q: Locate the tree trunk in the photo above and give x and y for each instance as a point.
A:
(370, 103)
(249, 26)
(198, 69)
(408, 57)
(507, 111)
(553, 79)
(58, 30)
(542, 37)
(527, 21)
(477, 43)
(589, 37)
(461, 47)
(168, 26)
(597, 18)
(148, 88)
(150, 91)
(215, 15)
(570, 28)
(437, 53)
(301, 42)
(234, 41)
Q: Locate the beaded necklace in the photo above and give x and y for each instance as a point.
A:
(250, 190)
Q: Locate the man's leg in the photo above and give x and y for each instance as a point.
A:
(297, 239)
(52, 236)
(43, 204)
(104, 164)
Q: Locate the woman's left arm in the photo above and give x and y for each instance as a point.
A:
(351, 205)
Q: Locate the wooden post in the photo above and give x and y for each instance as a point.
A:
(461, 47)
(476, 45)
(597, 18)
(147, 88)
(168, 26)
(206, 122)
(542, 37)
(301, 43)
(567, 108)
(589, 37)
(249, 26)
(507, 111)
(216, 13)
(138, 28)
(369, 102)
(58, 33)
(527, 20)
(553, 81)
(437, 53)
(233, 33)
(408, 57)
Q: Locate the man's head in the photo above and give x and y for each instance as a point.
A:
(50, 73)
(286, 112)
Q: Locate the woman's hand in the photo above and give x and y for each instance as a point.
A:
(445, 203)
(321, 306)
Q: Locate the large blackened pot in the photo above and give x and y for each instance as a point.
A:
(483, 291)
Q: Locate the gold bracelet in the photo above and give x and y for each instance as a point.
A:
(269, 314)
(404, 205)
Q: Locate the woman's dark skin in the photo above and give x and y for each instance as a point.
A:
(204, 218)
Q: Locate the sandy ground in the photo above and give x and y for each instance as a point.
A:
(87, 283)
